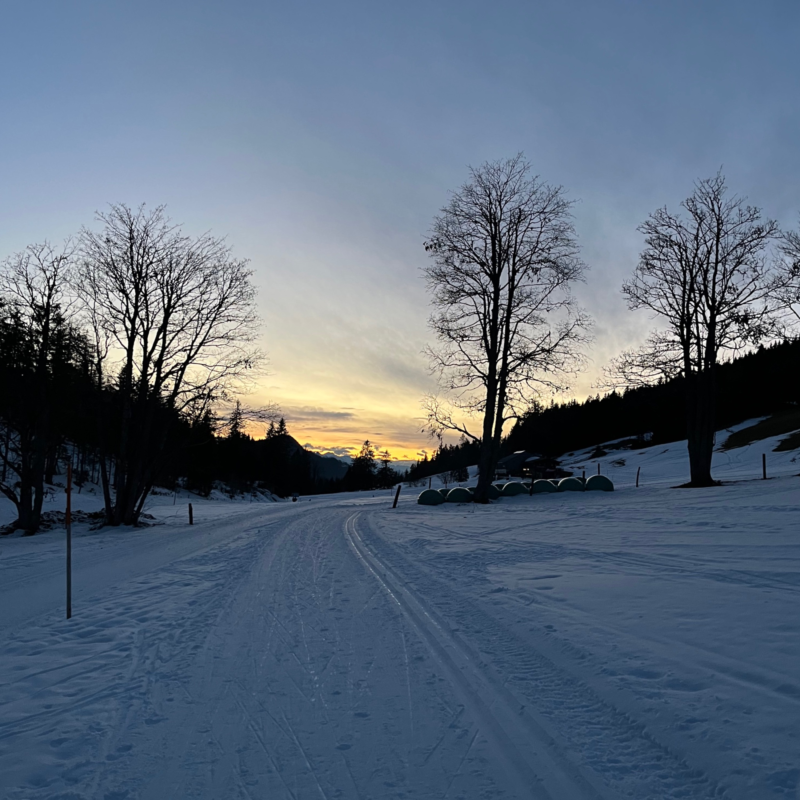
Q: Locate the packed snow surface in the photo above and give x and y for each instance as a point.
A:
(636, 644)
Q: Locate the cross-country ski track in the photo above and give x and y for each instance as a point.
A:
(336, 648)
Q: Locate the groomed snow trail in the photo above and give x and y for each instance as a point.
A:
(540, 648)
(272, 666)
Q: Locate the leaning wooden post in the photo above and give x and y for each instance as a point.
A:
(68, 521)
(638, 470)
(191, 515)
(764, 466)
(397, 495)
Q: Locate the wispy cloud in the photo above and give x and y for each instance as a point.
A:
(310, 413)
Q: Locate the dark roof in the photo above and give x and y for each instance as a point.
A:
(516, 460)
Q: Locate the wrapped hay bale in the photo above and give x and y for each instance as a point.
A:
(599, 483)
(459, 495)
(430, 497)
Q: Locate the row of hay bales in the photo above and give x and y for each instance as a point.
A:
(463, 494)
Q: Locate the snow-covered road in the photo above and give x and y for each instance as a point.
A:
(639, 644)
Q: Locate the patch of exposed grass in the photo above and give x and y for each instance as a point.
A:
(787, 421)
(791, 442)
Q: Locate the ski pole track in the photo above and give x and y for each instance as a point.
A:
(618, 750)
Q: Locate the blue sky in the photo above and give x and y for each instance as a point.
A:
(321, 138)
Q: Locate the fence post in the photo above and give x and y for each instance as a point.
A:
(638, 470)
(68, 520)
(764, 466)
(397, 495)
(191, 515)
(598, 467)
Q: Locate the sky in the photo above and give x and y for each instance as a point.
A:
(321, 139)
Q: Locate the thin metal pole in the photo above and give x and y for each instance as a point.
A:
(397, 495)
(68, 519)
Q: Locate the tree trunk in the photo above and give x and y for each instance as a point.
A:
(51, 464)
(701, 417)
(486, 459)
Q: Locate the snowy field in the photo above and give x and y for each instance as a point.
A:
(638, 644)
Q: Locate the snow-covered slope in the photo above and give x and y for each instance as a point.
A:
(668, 464)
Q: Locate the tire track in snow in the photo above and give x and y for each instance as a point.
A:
(528, 751)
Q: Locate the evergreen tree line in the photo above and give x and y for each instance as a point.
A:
(760, 383)
(276, 462)
(54, 409)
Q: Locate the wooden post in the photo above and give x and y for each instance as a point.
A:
(638, 470)
(583, 476)
(764, 466)
(429, 482)
(598, 467)
(191, 515)
(68, 520)
(397, 495)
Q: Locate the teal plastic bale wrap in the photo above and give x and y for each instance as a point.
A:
(443, 492)
(430, 497)
(459, 495)
(542, 486)
(570, 485)
(513, 488)
(494, 492)
(599, 483)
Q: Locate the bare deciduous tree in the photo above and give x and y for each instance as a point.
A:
(174, 324)
(709, 277)
(504, 255)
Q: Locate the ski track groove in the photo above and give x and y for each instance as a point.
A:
(460, 765)
(463, 674)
